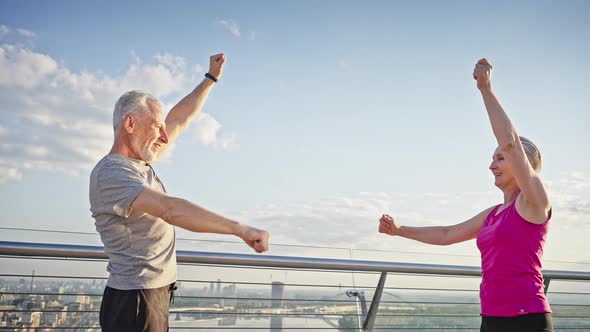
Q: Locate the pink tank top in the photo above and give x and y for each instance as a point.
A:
(511, 252)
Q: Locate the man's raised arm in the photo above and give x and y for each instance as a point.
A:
(180, 115)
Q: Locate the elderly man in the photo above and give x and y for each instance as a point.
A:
(135, 217)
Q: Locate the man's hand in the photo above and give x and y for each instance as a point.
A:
(216, 64)
(255, 238)
(483, 74)
(388, 226)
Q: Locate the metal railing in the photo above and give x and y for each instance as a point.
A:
(347, 311)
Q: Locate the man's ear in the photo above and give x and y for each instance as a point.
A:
(129, 124)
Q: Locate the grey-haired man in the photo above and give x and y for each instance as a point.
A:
(136, 217)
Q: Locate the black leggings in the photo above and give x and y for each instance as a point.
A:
(525, 323)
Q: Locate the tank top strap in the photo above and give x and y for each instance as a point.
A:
(492, 214)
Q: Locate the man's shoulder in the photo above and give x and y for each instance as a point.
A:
(113, 163)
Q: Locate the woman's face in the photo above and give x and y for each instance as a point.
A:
(499, 167)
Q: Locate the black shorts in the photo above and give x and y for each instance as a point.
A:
(525, 323)
(136, 309)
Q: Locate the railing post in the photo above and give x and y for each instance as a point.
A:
(372, 314)
(546, 283)
(359, 296)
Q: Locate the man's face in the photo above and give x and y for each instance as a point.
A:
(147, 142)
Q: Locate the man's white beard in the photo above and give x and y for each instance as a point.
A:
(145, 153)
(148, 156)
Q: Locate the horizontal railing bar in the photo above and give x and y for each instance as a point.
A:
(328, 286)
(230, 328)
(284, 328)
(49, 258)
(236, 282)
(43, 310)
(202, 297)
(172, 328)
(59, 294)
(267, 284)
(259, 314)
(287, 314)
(175, 328)
(264, 299)
(96, 252)
(315, 285)
(386, 327)
(286, 299)
(28, 275)
(195, 260)
(245, 328)
(178, 297)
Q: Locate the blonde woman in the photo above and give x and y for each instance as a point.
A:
(510, 236)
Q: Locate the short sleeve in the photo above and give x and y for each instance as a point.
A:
(118, 185)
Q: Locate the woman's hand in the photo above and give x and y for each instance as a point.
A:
(388, 225)
(482, 73)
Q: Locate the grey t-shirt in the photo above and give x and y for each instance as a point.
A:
(141, 247)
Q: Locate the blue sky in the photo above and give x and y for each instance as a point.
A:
(328, 113)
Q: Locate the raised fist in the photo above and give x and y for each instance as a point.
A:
(482, 73)
(216, 64)
(388, 225)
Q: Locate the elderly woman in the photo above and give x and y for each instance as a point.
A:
(510, 236)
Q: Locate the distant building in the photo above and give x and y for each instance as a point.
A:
(56, 314)
(277, 294)
(32, 319)
(83, 299)
(60, 290)
(229, 295)
(6, 298)
(9, 318)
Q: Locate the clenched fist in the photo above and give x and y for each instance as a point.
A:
(388, 226)
(254, 237)
(483, 74)
(216, 64)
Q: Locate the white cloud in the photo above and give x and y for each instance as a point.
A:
(575, 181)
(352, 221)
(199, 69)
(4, 30)
(207, 131)
(174, 63)
(24, 68)
(9, 174)
(25, 33)
(231, 26)
(570, 196)
(64, 118)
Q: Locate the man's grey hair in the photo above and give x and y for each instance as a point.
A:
(133, 102)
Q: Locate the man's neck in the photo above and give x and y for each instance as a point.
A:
(123, 149)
